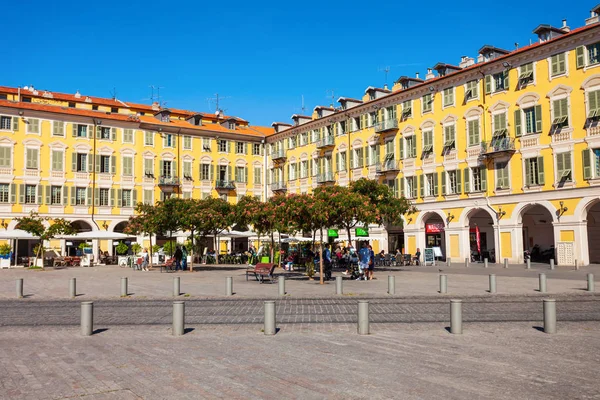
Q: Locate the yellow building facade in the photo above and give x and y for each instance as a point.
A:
(499, 153)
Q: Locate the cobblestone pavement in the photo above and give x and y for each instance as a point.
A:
(104, 282)
(292, 311)
(317, 361)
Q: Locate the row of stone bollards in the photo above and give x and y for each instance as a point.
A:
(486, 263)
(339, 288)
(270, 321)
(542, 287)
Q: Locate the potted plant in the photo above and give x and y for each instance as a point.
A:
(122, 250)
(38, 262)
(136, 248)
(5, 253)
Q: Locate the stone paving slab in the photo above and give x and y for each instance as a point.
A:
(416, 361)
(104, 282)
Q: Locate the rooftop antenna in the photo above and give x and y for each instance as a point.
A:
(156, 97)
(385, 70)
(303, 108)
(113, 93)
(332, 91)
(217, 99)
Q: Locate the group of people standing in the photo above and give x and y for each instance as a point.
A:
(366, 262)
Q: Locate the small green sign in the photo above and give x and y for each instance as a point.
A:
(362, 232)
(332, 233)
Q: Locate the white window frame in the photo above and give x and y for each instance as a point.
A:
(566, 73)
(39, 126)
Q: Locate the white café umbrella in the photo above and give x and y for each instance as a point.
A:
(16, 234)
(100, 235)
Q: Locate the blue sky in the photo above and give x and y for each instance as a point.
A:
(262, 57)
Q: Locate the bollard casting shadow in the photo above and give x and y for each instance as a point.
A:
(96, 331)
(538, 328)
(447, 328)
(188, 330)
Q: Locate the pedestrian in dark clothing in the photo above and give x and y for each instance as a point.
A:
(178, 256)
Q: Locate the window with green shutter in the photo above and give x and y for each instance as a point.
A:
(127, 135)
(534, 171)
(499, 125)
(58, 128)
(187, 142)
(32, 158)
(526, 74)
(427, 103)
(560, 110)
(564, 167)
(148, 194)
(407, 109)
(5, 156)
(473, 128)
(33, 125)
(411, 146)
(448, 97)
(502, 178)
(593, 103)
(148, 138)
(127, 166)
(427, 142)
(4, 192)
(558, 64)
(450, 137)
(587, 55)
(57, 160)
(471, 90)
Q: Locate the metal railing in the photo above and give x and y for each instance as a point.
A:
(326, 177)
(499, 145)
(229, 185)
(386, 125)
(168, 180)
(278, 186)
(388, 165)
(326, 142)
(277, 154)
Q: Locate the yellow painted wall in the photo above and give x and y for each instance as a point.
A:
(411, 244)
(454, 246)
(506, 244)
(567, 236)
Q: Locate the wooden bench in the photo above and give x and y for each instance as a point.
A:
(261, 270)
(168, 265)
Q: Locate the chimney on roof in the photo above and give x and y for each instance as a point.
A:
(77, 94)
(593, 16)
(416, 75)
(564, 26)
(384, 86)
(466, 61)
(430, 74)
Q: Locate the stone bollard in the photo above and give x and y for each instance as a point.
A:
(492, 283)
(229, 286)
(456, 316)
(590, 282)
(448, 262)
(443, 284)
(576, 265)
(281, 283)
(549, 315)
(363, 317)
(506, 263)
(339, 285)
(176, 286)
(270, 327)
(87, 318)
(485, 263)
(552, 263)
(466, 263)
(73, 288)
(542, 283)
(178, 318)
(124, 290)
(528, 264)
(20, 288)
(391, 284)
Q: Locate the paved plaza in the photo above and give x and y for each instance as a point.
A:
(316, 354)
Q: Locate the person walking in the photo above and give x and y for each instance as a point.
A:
(371, 262)
(178, 255)
(145, 260)
(184, 256)
(327, 263)
(364, 256)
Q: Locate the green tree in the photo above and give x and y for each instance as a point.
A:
(146, 222)
(389, 207)
(34, 224)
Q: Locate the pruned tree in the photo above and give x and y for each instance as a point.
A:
(34, 224)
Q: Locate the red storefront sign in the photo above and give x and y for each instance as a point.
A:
(434, 228)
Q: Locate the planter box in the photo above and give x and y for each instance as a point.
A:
(122, 260)
(5, 263)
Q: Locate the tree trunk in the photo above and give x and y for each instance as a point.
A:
(349, 236)
(192, 251)
(321, 281)
(272, 247)
(37, 254)
(150, 240)
(217, 250)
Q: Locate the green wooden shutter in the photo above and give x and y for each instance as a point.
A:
(229, 173)
(162, 168)
(88, 200)
(435, 184)
(15, 124)
(48, 189)
(483, 178)
(351, 158)
(97, 163)
(119, 198)
(402, 183)
(413, 146)
(422, 185)
(580, 56)
(113, 165)
(518, 122)
(113, 134)
(458, 182)
(74, 130)
(401, 148)
(174, 170)
(538, 118)
(22, 194)
(467, 180)
(112, 198)
(133, 197)
(540, 164)
(593, 100)
(73, 191)
(488, 84)
(443, 180)
(65, 196)
(528, 178)
(337, 162)
(587, 164)
(554, 65)
(90, 162)
(96, 197)
(506, 80)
